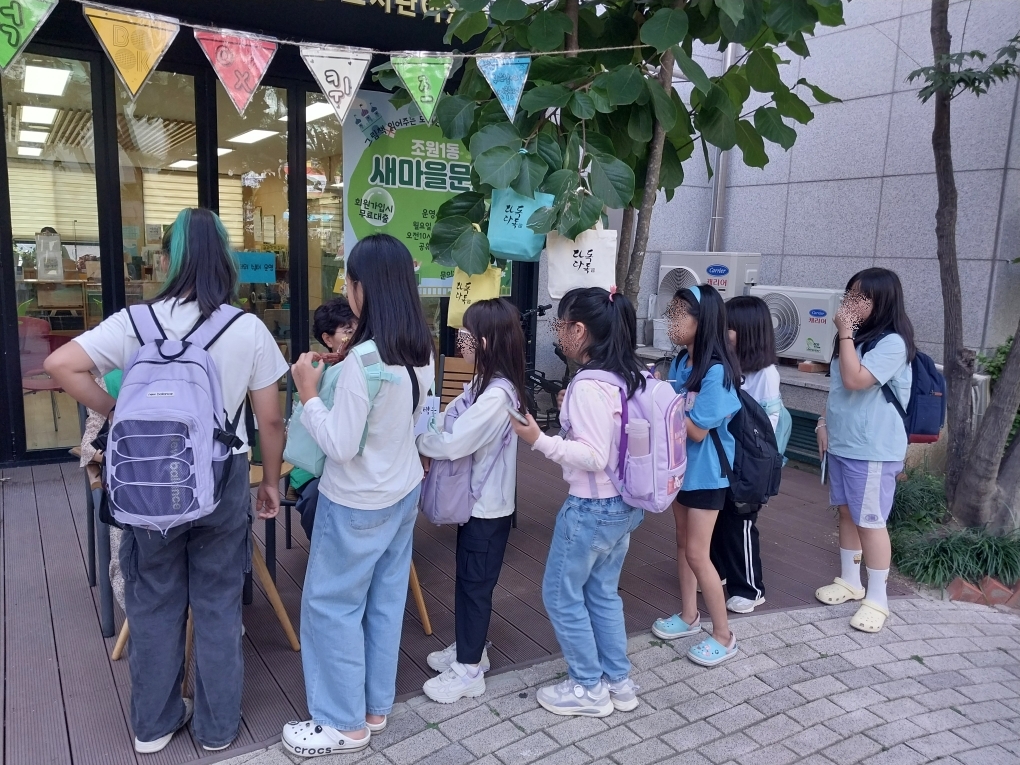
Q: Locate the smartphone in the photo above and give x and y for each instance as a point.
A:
(825, 464)
(517, 415)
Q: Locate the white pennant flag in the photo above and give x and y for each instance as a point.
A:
(339, 72)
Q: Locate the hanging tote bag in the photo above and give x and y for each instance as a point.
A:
(588, 261)
(468, 290)
(509, 235)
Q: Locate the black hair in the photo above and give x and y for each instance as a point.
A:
(612, 330)
(203, 268)
(391, 312)
(47, 230)
(751, 319)
(888, 309)
(332, 315)
(498, 322)
(710, 342)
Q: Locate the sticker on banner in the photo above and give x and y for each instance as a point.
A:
(256, 267)
(135, 42)
(424, 76)
(506, 76)
(240, 61)
(19, 21)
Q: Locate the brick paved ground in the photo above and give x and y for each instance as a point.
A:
(941, 683)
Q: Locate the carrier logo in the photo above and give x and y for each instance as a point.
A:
(817, 316)
(717, 270)
(159, 394)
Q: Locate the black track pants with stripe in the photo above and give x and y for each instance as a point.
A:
(736, 554)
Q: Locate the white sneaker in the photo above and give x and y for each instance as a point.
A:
(455, 683)
(623, 694)
(739, 605)
(441, 661)
(151, 747)
(307, 739)
(377, 727)
(570, 698)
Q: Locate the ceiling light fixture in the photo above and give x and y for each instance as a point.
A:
(182, 164)
(46, 81)
(252, 136)
(317, 111)
(33, 136)
(38, 115)
(221, 152)
(29, 151)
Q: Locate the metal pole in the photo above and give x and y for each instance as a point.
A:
(715, 229)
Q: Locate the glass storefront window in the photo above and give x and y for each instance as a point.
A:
(51, 168)
(158, 162)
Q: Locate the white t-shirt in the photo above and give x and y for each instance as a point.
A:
(763, 386)
(389, 467)
(246, 355)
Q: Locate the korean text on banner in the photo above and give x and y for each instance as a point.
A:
(468, 290)
(240, 61)
(19, 21)
(338, 71)
(135, 42)
(506, 75)
(423, 75)
(588, 261)
(256, 267)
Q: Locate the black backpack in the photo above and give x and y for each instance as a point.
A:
(926, 410)
(757, 464)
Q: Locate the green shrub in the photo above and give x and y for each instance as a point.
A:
(919, 503)
(993, 366)
(937, 557)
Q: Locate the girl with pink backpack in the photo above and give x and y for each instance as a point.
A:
(473, 436)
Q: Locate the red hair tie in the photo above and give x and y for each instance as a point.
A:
(612, 292)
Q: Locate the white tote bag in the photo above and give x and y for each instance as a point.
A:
(588, 261)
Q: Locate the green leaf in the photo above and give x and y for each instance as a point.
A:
(639, 126)
(581, 105)
(692, 70)
(790, 105)
(508, 10)
(624, 84)
(548, 148)
(500, 134)
(798, 45)
(456, 239)
(498, 166)
(533, 170)
(748, 28)
(547, 28)
(387, 76)
(557, 69)
(737, 87)
(471, 6)
(666, 28)
(572, 156)
(708, 164)
(762, 71)
(597, 142)
(561, 182)
(491, 113)
(734, 9)
(545, 97)
(600, 98)
(788, 17)
(671, 172)
(467, 204)
(570, 217)
(818, 94)
(769, 122)
(543, 220)
(456, 114)
(467, 26)
(716, 127)
(665, 111)
(719, 98)
(751, 145)
(830, 12)
(611, 180)
(591, 211)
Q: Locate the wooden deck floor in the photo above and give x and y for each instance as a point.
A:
(65, 702)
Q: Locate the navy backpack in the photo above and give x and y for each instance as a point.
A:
(926, 410)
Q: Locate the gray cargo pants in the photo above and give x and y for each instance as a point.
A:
(201, 564)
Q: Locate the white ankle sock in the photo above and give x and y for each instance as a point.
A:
(877, 579)
(851, 565)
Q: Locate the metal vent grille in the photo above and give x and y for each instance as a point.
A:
(785, 319)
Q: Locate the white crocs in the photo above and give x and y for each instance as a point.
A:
(308, 739)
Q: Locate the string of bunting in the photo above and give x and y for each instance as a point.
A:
(135, 43)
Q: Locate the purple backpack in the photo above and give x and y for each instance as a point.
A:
(168, 453)
(446, 495)
(649, 474)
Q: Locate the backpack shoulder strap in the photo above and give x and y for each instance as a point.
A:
(886, 389)
(146, 325)
(375, 373)
(415, 392)
(206, 333)
(724, 461)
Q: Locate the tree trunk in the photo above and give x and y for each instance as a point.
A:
(571, 10)
(1006, 515)
(959, 361)
(644, 218)
(624, 245)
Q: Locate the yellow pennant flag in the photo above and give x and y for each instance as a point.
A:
(468, 290)
(135, 42)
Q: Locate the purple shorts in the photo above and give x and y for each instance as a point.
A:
(865, 487)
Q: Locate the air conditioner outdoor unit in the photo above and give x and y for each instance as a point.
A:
(728, 272)
(802, 318)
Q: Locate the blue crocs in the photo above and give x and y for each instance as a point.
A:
(674, 627)
(710, 652)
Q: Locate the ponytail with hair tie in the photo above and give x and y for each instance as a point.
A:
(612, 292)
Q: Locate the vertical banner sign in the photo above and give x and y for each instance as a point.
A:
(135, 42)
(339, 72)
(506, 75)
(19, 20)
(240, 61)
(423, 75)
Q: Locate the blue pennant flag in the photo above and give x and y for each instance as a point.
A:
(506, 75)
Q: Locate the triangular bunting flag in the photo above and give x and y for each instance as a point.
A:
(506, 75)
(135, 42)
(339, 72)
(19, 20)
(423, 75)
(240, 62)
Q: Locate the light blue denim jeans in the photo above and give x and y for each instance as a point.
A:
(352, 609)
(579, 589)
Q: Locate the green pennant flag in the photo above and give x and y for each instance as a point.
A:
(19, 21)
(424, 76)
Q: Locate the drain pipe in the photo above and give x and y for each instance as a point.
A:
(720, 177)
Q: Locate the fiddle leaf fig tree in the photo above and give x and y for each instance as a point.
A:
(600, 124)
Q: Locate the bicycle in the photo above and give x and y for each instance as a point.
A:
(537, 382)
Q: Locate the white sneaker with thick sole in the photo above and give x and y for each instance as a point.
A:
(623, 694)
(570, 698)
(739, 605)
(151, 747)
(307, 739)
(377, 727)
(441, 661)
(455, 683)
